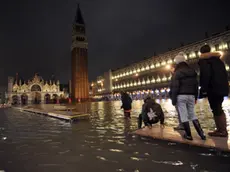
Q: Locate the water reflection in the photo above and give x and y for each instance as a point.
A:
(102, 144)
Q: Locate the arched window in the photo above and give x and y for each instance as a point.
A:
(36, 88)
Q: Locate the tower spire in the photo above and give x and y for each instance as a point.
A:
(78, 18)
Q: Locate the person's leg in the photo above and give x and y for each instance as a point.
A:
(140, 121)
(193, 118)
(180, 125)
(219, 116)
(182, 101)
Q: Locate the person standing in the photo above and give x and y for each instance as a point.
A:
(184, 89)
(180, 125)
(126, 104)
(214, 86)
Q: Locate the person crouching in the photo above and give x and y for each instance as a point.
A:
(151, 113)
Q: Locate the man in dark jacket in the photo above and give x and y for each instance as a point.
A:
(184, 88)
(151, 113)
(214, 85)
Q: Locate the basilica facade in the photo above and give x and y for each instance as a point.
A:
(34, 91)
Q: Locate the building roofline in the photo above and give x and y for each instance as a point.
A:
(175, 50)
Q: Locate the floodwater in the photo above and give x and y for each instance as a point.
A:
(30, 142)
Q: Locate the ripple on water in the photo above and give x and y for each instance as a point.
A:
(101, 158)
(174, 163)
(116, 150)
(136, 159)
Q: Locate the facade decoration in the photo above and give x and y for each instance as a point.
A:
(35, 91)
(153, 75)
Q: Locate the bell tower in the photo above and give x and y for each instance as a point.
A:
(79, 60)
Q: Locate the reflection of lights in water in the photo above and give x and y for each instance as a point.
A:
(101, 158)
(116, 150)
(174, 163)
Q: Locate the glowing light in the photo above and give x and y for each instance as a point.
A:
(135, 83)
(148, 81)
(168, 90)
(131, 84)
(134, 71)
(164, 79)
(157, 91)
(143, 82)
(136, 74)
(162, 90)
(116, 80)
(158, 65)
(168, 67)
(153, 80)
(131, 72)
(139, 82)
(152, 91)
(213, 49)
(142, 69)
(169, 61)
(152, 66)
(158, 80)
(163, 63)
(138, 70)
(147, 67)
(227, 67)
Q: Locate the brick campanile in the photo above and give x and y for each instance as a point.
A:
(79, 60)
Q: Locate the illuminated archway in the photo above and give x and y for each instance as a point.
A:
(36, 88)
(24, 99)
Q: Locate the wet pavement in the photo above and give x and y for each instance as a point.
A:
(30, 142)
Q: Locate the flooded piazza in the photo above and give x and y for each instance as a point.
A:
(30, 142)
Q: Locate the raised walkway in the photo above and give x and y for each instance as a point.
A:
(169, 134)
(59, 112)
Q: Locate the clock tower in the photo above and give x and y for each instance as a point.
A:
(79, 59)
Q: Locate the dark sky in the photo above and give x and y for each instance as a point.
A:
(35, 36)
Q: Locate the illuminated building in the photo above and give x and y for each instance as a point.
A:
(152, 76)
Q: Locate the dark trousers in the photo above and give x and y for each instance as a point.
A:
(215, 103)
(146, 120)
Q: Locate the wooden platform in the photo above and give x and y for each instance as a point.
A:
(169, 134)
(63, 115)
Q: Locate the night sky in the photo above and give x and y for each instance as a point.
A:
(35, 36)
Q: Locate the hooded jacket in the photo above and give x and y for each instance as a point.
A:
(184, 82)
(156, 108)
(213, 75)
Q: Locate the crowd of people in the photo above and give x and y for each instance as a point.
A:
(184, 92)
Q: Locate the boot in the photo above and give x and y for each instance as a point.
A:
(221, 130)
(139, 121)
(217, 127)
(187, 129)
(199, 129)
(179, 127)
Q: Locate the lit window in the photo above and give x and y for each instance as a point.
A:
(152, 66)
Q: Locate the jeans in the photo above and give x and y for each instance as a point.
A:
(215, 103)
(185, 105)
(178, 115)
